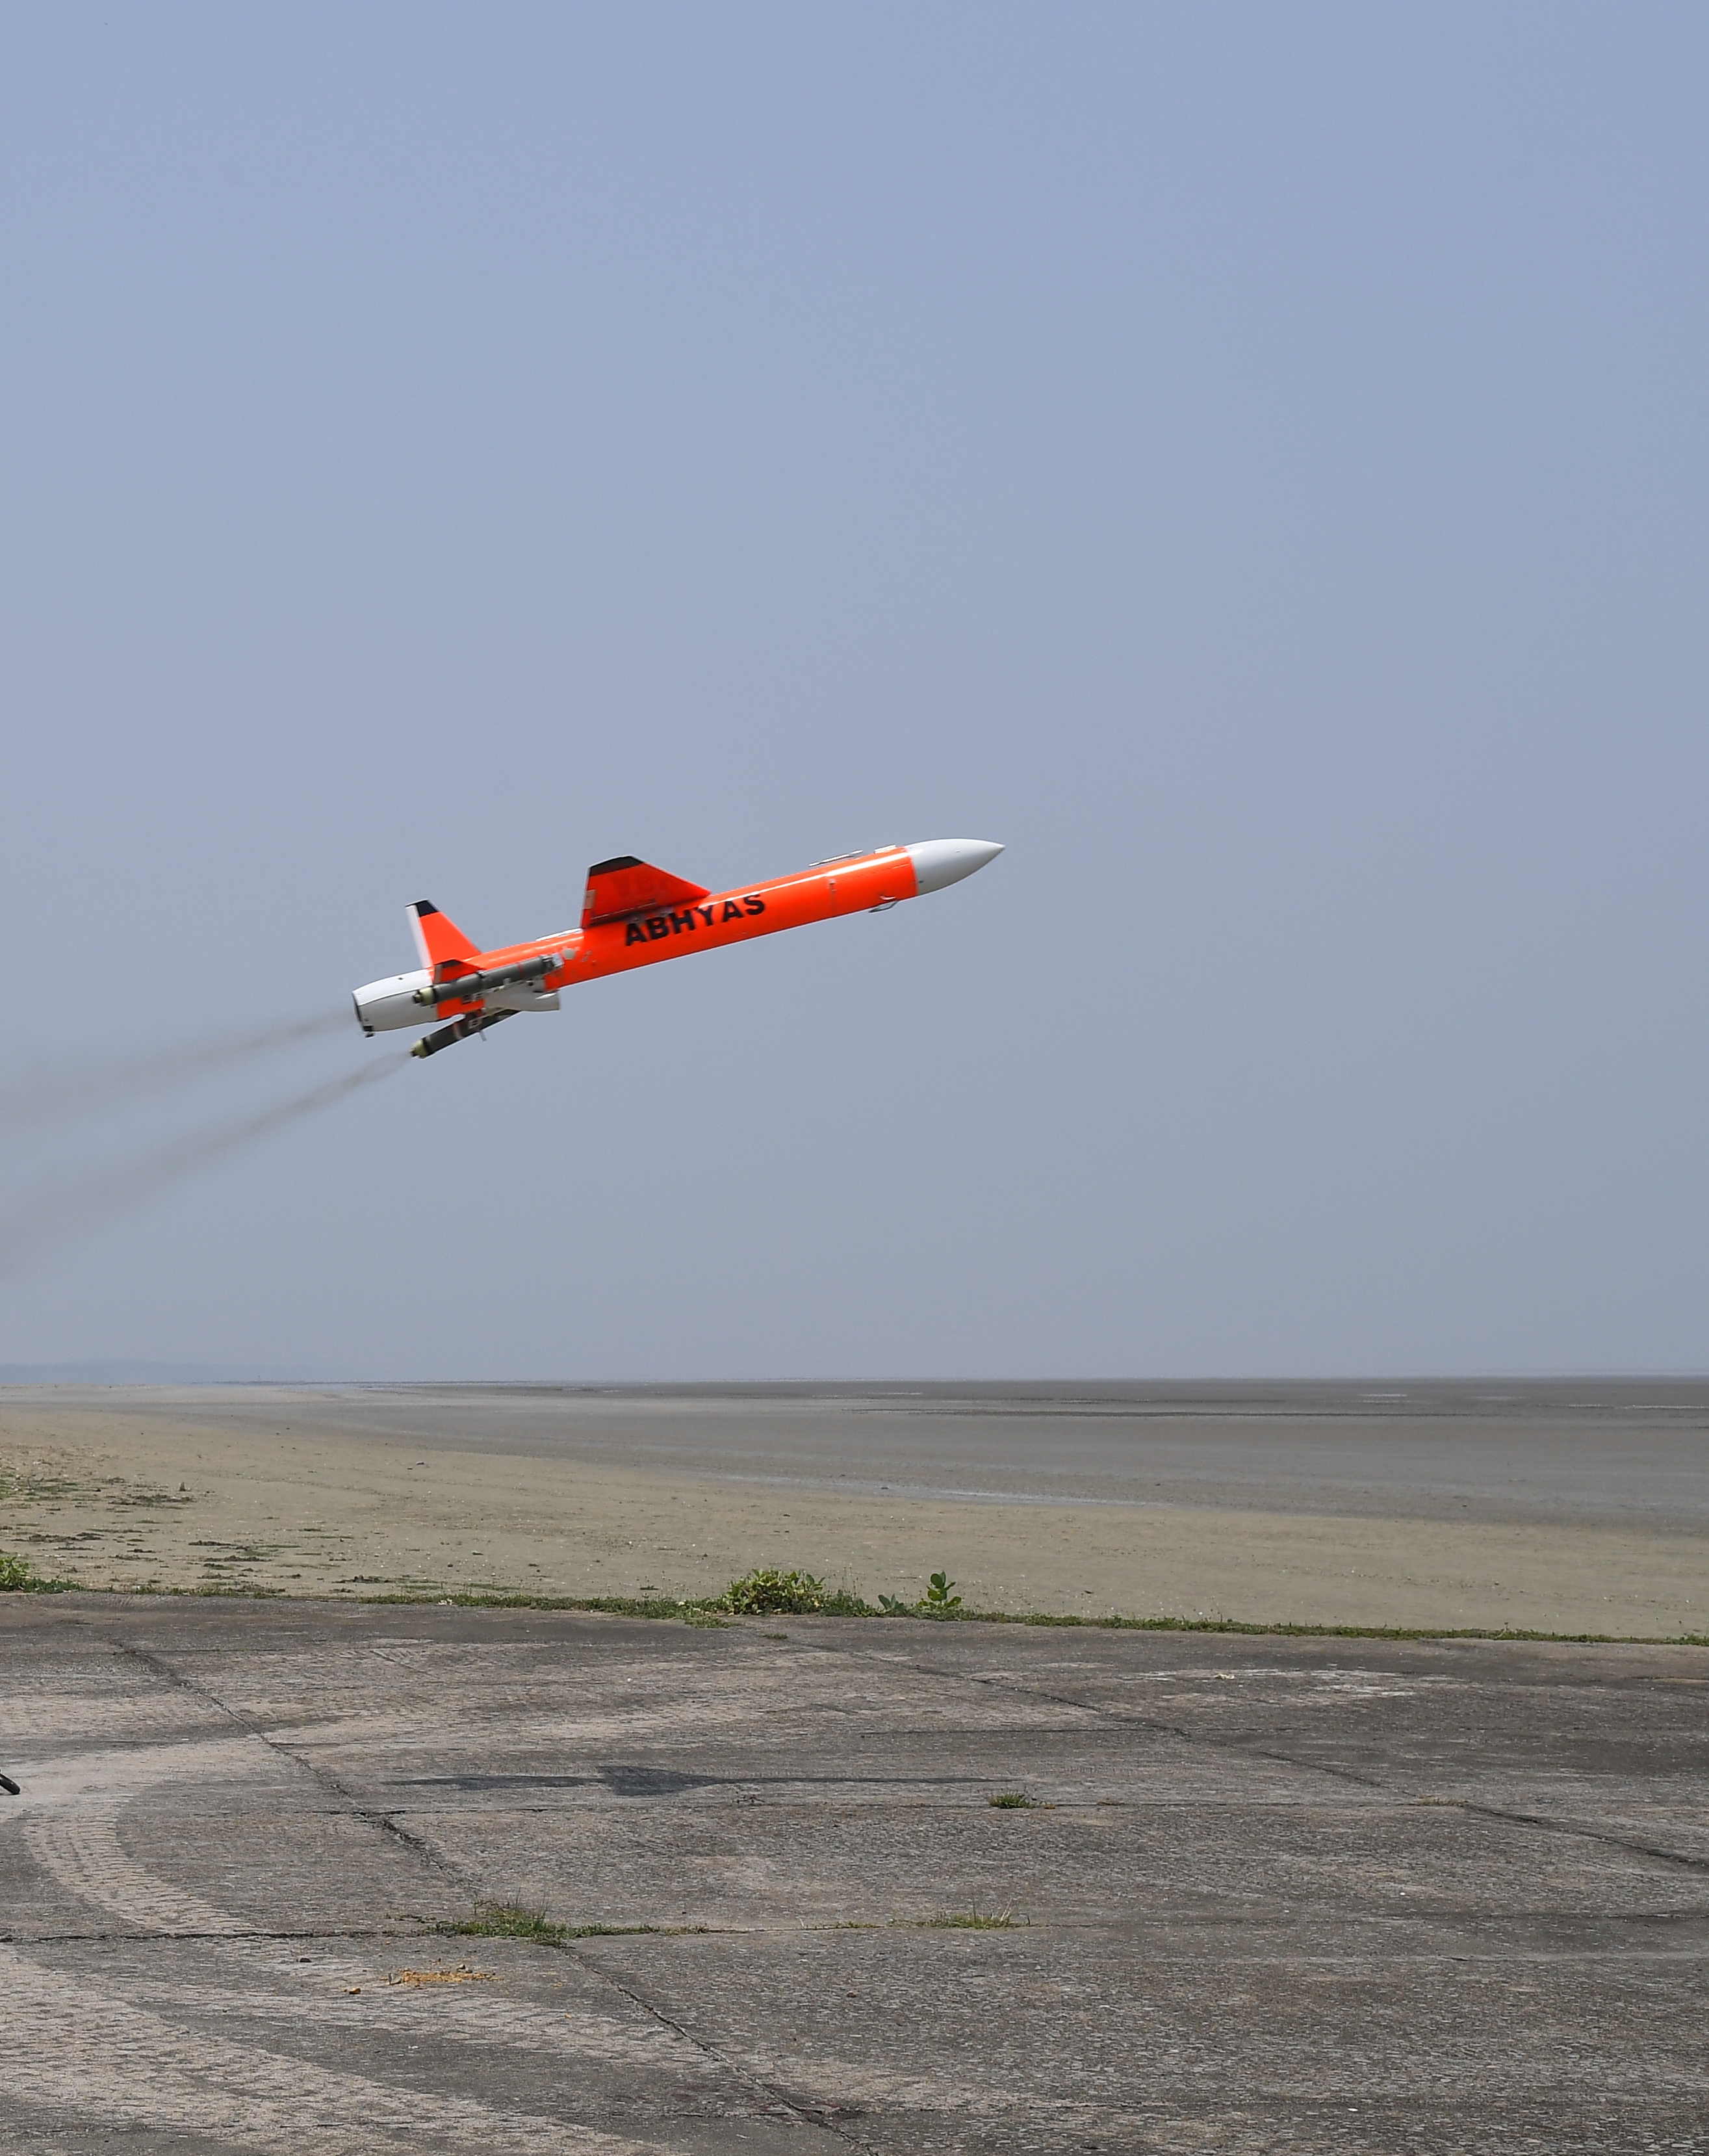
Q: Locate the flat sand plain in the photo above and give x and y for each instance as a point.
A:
(1565, 1508)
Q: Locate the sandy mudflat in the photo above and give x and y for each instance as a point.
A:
(1574, 1510)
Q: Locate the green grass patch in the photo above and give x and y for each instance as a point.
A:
(975, 1919)
(507, 1920)
(608, 1606)
(766, 1592)
(844, 1603)
(18, 1576)
(516, 1919)
(1011, 1800)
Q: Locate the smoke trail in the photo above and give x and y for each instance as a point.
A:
(62, 1096)
(55, 1216)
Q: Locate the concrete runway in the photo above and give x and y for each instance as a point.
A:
(1276, 1895)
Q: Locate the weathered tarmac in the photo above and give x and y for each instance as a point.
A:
(1301, 1895)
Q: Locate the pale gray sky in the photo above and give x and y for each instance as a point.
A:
(1250, 460)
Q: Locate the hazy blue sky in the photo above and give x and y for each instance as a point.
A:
(1253, 460)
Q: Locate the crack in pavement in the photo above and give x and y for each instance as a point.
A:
(1572, 1827)
(1156, 1725)
(802, 2114)
(370, 1815)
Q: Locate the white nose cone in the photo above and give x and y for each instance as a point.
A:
(940, 861)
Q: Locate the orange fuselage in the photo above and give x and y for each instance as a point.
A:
(858, 885)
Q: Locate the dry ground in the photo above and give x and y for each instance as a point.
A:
(1561, 1526)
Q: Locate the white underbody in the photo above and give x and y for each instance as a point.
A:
(388, 1005)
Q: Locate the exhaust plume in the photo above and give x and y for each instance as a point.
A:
(48, 1098)
(55, 1216)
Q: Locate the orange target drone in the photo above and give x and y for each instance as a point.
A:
(633, 915)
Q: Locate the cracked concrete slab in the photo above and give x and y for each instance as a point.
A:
(1266, 1894)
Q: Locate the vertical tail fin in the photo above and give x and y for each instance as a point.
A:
(436, 938)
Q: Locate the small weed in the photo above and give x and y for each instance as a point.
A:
(18, 1576)
(1011, 1800)
(940, 1601)
(509, 1920)
(975, 1919)
(767, 1593)
(515, 1920)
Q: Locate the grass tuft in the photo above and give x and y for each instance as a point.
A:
(975, 1919)
(516, 1919)
(18, 1576)
(508, 1920)
(604, 1606)
(767, 1591)
(1011, 1800)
